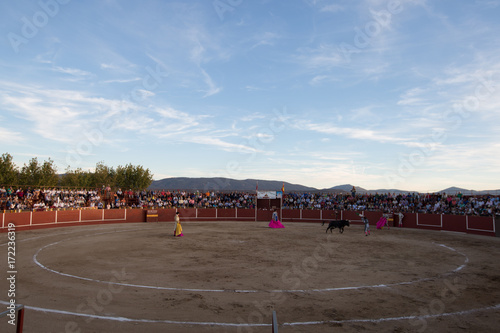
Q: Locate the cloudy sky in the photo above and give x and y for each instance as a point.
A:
(376, 93)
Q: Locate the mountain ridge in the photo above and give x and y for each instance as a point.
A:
(229, 184)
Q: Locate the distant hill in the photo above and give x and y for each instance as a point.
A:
(360, 190)
(249, 185)
(225, 184)
(455, 190)
(345, 188)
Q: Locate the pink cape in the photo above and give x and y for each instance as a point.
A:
(275, 224)
(381, 222)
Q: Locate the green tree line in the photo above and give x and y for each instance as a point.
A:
(44, 174)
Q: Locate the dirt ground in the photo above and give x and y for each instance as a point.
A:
(231, 276)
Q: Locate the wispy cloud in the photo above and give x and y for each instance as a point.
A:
(321, 79)
(145, 93)
(361, 89)
(413, 97)
(332, 8)
(109, 66)
(488, 3)
(381, 135)
(134, 79)
(323, 56)
(266, 38)
(168, 112)
(463, 159)
(72, 71)
(58, 115)
(252, 117)
(221, 144)
(212, 87)
(7, 135)
(253, 88)
(364, 114)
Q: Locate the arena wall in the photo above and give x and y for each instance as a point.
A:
(455, 223)
(480, 225)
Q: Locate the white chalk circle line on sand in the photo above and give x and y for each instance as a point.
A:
(365, 320)
(35, 259)
(304, 323)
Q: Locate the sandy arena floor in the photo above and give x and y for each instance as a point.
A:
(229, 277)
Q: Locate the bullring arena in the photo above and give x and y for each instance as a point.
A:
(110, 271)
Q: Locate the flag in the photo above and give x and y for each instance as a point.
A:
(283, 188)
(257, 187)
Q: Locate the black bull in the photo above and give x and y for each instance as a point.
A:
(337, 224)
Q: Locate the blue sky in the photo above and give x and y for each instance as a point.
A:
(376, 93)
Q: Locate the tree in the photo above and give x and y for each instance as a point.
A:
(78, 178)
(103, 175)
(39, 175)
(9, 172)
(30, 173)
(133, 177)
(36, 174)
(48, 174)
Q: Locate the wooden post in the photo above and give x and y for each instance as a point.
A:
(275, 323)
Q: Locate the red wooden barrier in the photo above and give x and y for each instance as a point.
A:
(309, 215)
(19, 219)
(166, 214)
(290, 215)
(34, 220)
(135, 215)
(454, 223)
(410, 220)
(351, 216)
(92, 215)
(227, 213)
(64, 216)
(114, 214)
(246, 213)
(373, 217)
(187, 214)
(205, 213)
(43, 218)
(480, 225)
(429, 221)
(264, 215)
(330, 215)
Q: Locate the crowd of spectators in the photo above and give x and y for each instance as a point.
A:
(64, 198)
(185, 199)
(436, 203)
